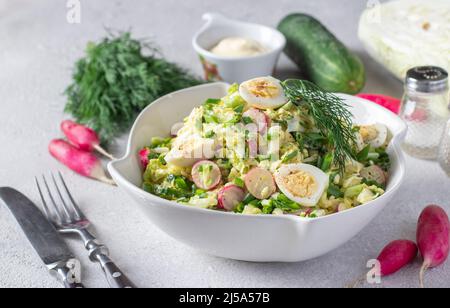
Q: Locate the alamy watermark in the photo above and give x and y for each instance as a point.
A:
(374, 274)
(73, 15)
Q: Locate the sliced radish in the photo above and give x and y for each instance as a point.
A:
(252, 140)
(143, 157)
(175, 129)
(374, 173)
(230, 196)
(206, 174)
(259, 118)
(260, 183)
(252, 148)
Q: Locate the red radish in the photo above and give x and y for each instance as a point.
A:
(252, 139)
(252, 148)
(374, 173)
(83, 163)
(206, 174)
(230, 196)
(260, 183)
(396, 255)
(83, 137)
(175, 129)
(259, 119)
(419, 115)
(393, 258)
(433, 238)
(391, 103)
(143, 157)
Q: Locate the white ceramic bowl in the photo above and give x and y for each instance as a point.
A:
(248, 237)
(236, 69)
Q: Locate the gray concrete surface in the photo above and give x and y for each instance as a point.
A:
(37, 51)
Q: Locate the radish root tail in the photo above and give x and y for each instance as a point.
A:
(424, 268)
(104, 152)
(357, 282)
(107, 180)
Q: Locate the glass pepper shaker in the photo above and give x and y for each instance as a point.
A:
(425, 110)
(444, 150)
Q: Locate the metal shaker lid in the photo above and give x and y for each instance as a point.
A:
(427, 79)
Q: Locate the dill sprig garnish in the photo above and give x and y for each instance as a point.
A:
(330, 114)
(117, 78)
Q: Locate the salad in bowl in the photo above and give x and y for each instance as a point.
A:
(269, 147)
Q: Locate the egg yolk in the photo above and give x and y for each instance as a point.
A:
(368, 132)
(300, 184)
(263, 88)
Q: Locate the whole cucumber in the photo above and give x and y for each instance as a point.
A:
(321, 56)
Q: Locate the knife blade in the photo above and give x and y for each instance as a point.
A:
(44, 238)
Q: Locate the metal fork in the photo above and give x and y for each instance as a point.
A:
(69, 219)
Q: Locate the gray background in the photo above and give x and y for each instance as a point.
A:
(37, 51)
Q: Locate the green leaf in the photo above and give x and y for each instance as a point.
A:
(116, 79)
(363, 155)
(239, 182)
(333, 190)
(212, 101)
(327, 162)
(247, 120)
(290, 156)
(330, 114)
(239, 109)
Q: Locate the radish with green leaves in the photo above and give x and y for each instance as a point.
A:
(82, 162)
(433, 238)
(83, 138)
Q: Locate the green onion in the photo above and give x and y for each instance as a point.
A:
(247, 120)
(363, 155)
(239, 182)
(249, 198)
(212, 101)
(373, 156)
(210, 134)
(353, 191)
(210, 118)
(327, 162)
(290, 156)
(158, 142)
(333, 190)
(239, 109)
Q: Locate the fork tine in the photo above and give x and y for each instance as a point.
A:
(64, 204)
(77, 210)
(55, 206)
(44, 203)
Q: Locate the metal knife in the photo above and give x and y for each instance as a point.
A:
(44, 238)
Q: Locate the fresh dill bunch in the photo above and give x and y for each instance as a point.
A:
(331, 116)
(117, 78)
